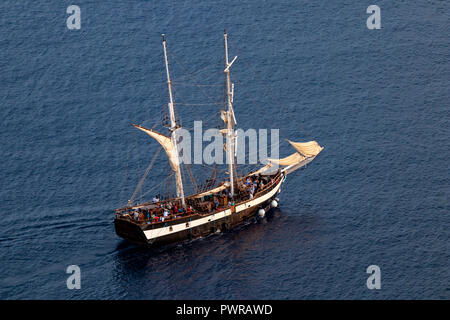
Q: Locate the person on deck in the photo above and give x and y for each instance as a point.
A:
(216, 203)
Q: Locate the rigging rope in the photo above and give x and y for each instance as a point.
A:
(200, 86)
(191, 76)
(139, 186)
(159, 184)
(125, 178)
(187, 84)
(191, 176)
(197, 104)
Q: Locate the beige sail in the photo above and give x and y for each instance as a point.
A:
(262, 169)
(308, 149)
(215, 190)
(289, 160)
(164, 141)
(292, 168)
(307, 152)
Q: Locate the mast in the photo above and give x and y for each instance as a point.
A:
(173, 129)
(231, 120)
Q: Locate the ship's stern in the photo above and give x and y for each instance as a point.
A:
(129, 231)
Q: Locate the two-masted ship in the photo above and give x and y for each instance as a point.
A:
(231, 203)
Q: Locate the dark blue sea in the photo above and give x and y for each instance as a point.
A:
(377, 100)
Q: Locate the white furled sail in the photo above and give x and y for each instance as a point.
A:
(224, 116)
(298, 165)
(306, 152)
(308, 149)
(289, 160)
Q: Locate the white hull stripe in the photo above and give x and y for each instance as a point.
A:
(160, 232)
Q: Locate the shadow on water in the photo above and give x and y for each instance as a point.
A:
(131, 255)
(181, 265)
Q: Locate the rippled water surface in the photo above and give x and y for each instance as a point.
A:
(377, 100)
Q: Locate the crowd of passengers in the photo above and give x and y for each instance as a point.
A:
(173, 209)
(256, 183)
(165, 211)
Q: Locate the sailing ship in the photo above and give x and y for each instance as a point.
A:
(231, 203)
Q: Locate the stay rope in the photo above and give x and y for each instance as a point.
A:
(139, 186)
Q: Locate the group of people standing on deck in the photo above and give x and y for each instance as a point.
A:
(165, 211)
(255, 183)
(173, 209)
(248, 188)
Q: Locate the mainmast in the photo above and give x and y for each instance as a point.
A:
(230, 118)
(173, 129)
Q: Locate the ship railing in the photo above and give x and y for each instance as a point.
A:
(267, 188)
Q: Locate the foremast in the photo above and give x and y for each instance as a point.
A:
(230, 118)
(173, 129)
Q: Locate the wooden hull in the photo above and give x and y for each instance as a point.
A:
(196, 226)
